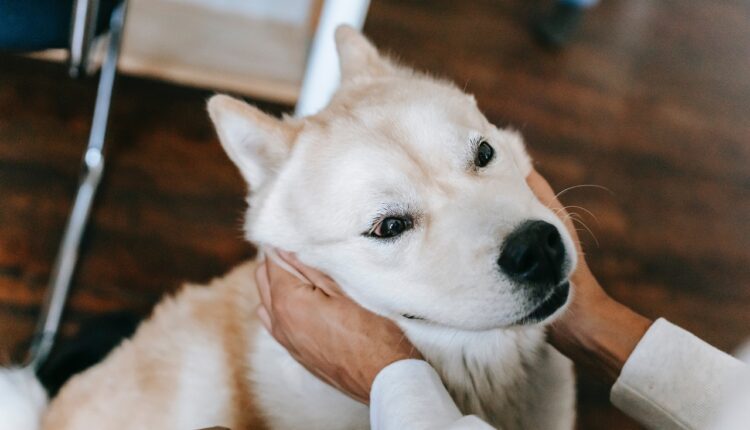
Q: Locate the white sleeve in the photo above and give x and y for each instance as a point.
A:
(409, 394)
(674, 380)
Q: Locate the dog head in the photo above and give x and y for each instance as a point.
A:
(406, 195)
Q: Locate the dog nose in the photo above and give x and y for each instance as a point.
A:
(533, 253)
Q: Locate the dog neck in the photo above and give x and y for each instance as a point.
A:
(483, 370)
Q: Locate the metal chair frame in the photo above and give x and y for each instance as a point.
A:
(83, 29)
(92, 168)
(319, 82)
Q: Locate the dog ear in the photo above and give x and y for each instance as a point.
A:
(358, 58)
(256, 142)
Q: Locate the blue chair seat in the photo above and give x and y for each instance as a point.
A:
(32, 25)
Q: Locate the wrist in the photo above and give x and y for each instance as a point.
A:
(611, 335)
(600, 335)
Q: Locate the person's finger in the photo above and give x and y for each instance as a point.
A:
(280, 278)
(288, 291)
(263, 285)
(317, 278)
(542, 190)
(278, 333)
(265, 318)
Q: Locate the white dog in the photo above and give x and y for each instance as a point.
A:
(406, 195)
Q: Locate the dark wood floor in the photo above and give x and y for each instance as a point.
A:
(652, 101)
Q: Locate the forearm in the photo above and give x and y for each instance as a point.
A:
(598, 333)
(662, 376)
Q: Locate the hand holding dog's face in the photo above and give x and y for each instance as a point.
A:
(406, 195)
(331, 336)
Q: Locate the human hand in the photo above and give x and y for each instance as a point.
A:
(596, 331)
(331, 336)
(588, 294)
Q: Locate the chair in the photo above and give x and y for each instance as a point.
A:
(34, 25)
(28, 25)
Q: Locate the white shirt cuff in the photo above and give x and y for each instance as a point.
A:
(674, 380)
(409, 394)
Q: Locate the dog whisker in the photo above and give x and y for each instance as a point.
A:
(577, 218)
(601, 187)
(583, 209)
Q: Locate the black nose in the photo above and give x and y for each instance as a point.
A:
(533, 253)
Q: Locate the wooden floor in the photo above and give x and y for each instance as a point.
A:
(652, 101)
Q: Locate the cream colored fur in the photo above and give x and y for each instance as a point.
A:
(391, 141)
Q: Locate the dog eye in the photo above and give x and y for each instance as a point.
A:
(485, 152)
(392, 227)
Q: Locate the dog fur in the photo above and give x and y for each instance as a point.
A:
(392, 141)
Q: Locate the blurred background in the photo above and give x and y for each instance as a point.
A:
(650, 99)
